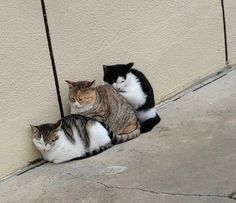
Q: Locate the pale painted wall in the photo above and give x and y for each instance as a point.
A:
(230, 14)
(174, 42)
(27, 93)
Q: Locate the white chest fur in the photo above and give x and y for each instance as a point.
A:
(77, 108)
(64, 150)
(133, 91)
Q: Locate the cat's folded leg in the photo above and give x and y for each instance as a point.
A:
(58, 161)
(64, 158)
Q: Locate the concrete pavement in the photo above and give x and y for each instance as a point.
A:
(189, 157)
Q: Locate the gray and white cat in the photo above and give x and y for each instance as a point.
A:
(72, 137)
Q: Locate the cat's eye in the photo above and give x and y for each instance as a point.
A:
(54, 140)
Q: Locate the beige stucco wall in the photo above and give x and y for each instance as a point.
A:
(27, 93)
(230, 14)
(174, 42)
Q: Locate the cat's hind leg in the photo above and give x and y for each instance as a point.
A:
(99, 136)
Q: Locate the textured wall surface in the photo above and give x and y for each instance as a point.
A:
(27, 93)
(175, 43)
(230, 15)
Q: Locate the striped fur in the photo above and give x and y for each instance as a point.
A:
(125, 137)
(74, 136)
(106, 105)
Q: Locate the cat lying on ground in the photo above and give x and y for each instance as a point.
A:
(74, 136)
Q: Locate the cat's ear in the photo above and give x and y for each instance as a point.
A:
(70, 83)
(57, 125)
(129, 65)
(91, 84)
(104, 68)
(35, 130)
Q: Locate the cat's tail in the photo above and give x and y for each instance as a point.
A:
(125, 137)
(119, 138)
(147, 125)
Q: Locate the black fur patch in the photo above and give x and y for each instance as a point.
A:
(111, 73)
(147, 89)
(148, 125)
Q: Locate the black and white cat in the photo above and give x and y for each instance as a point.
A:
(135, 87)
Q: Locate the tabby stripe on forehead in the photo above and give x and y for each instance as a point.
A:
(68, 131)
(46, 132)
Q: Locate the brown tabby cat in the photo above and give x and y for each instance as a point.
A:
(106, 105)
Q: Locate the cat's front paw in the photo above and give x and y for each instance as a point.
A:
(58, 161)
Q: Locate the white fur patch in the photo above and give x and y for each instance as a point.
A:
(131, 89)
(146, 114)
(98, 136)
(73, 109)
(64, 150)
(39, 143)
(76, 108)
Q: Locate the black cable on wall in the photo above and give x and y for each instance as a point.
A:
(225, 33)
(52, 57)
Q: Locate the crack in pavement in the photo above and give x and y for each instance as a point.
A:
(230, 196)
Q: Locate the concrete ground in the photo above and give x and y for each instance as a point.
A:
(189, 157)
